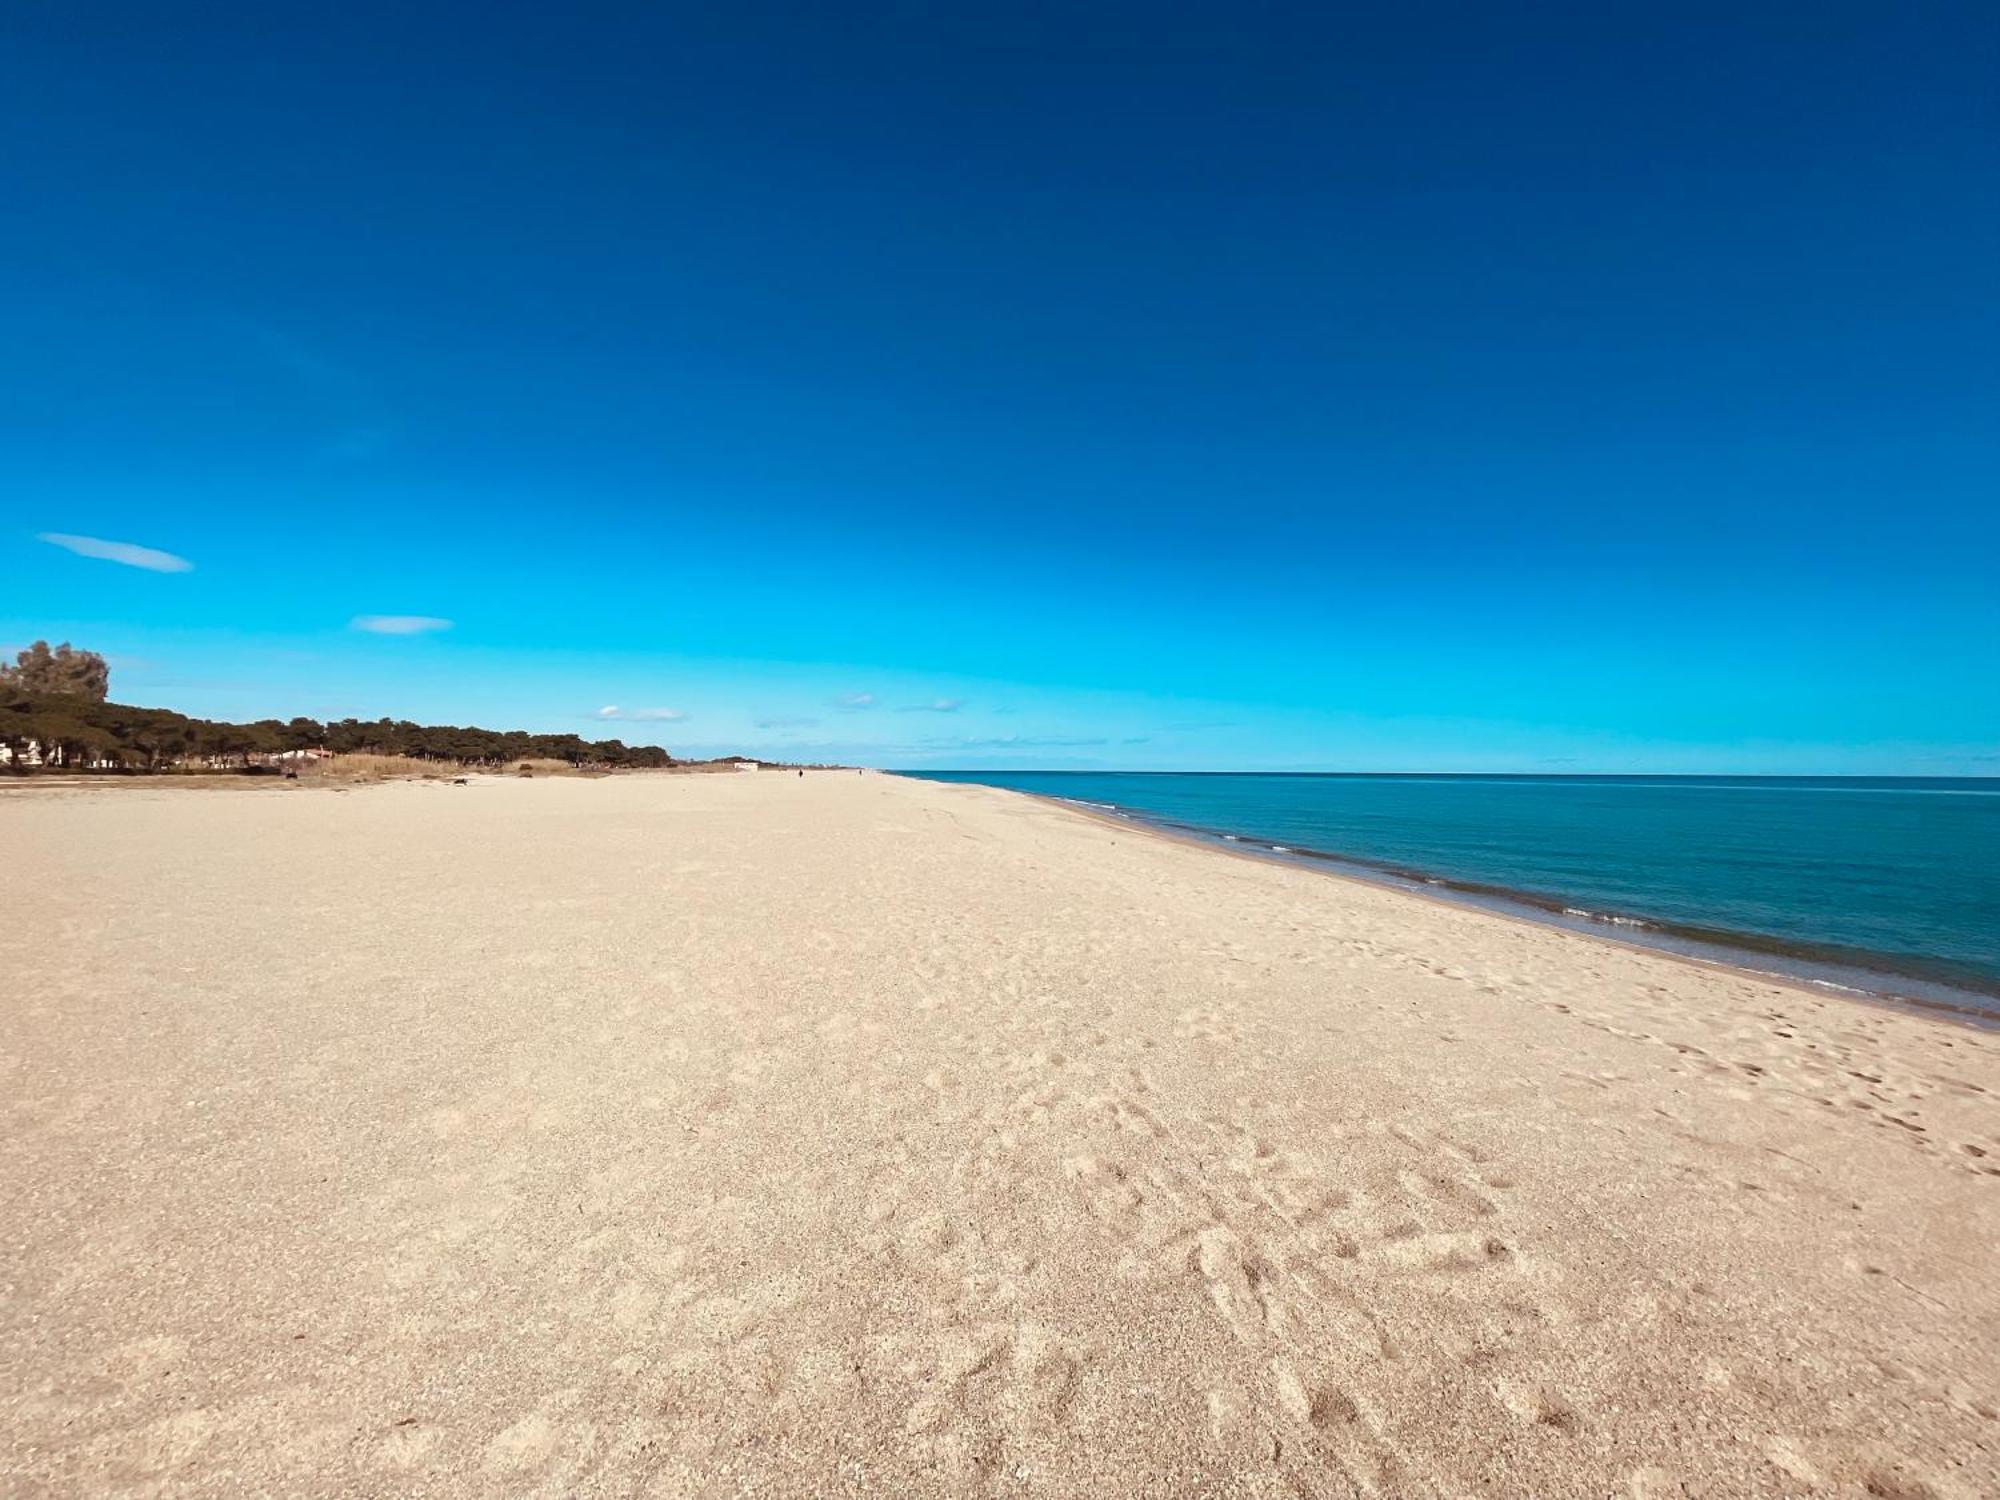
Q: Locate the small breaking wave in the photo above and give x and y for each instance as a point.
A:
(1608, 918)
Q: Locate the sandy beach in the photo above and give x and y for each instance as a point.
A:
(849, 1135)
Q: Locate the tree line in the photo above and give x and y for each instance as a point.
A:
(55, 701)
(76, 731)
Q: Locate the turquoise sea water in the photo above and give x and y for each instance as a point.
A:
(1889, 884)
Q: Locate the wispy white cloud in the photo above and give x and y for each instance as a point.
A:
(399, 624)
(853, 702)
(1023, 742)
(640, 715)
(131, 555)
(788, 723)
(935, 706)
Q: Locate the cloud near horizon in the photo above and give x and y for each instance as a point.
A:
(1034, 742)
(788, 723)
(935, 706)
(641, 715)
(128, 553)
(398, 624)
(851, 702)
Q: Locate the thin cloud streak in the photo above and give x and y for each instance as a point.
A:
(854, 702)
(641, 715)
(130, 554)
(399, 624)
(1023, 742)
(935, 706)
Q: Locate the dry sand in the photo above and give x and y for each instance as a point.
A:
(750, 1135)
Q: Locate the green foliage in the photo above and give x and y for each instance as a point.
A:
(82, 730)
(65, 671)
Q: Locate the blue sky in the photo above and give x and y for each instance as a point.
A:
(1426, 387)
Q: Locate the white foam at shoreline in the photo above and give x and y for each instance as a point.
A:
(1606, 917)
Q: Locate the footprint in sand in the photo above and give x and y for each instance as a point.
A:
(1540, 1405)
(1238, 1285)
(1320, 1407)
(525, 1445)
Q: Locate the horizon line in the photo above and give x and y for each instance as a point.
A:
(1494, 775)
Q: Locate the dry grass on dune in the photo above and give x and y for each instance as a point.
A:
(366, 766)
(543, 767)
(362, 766)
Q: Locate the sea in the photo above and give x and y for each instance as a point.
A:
(1880, 886)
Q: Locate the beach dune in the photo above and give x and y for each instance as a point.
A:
(850, 1135)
